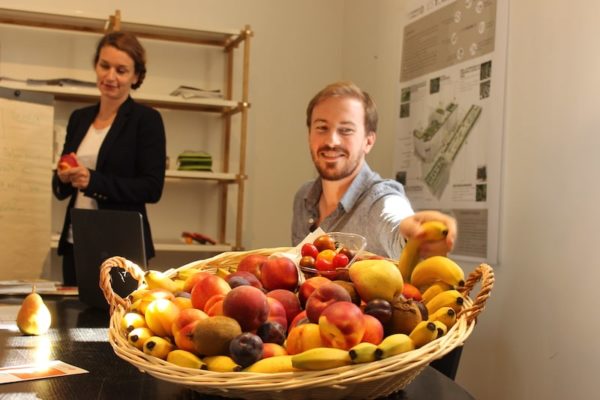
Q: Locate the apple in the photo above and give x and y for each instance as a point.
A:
(206, 288)
(374, 331)
(302, 338)
(279, 272)
(308, 286)
(183, 327)
(322, 297)
(67, 161)
(342, 325)
(289, 300)
(248, 306)
(252, 263)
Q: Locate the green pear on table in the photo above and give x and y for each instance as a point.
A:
(34, 317)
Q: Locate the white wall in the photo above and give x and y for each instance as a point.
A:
(536, 337)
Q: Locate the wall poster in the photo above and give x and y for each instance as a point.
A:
(448, 150)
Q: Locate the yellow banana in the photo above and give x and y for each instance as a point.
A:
(432, 230)
(424, 332)
(158, 280)
(394, 344)
(319, 358)
(132, 320)
(158, 347)
(179, 284)
(184, 358)
(221, 364)
(138, 336)
(137, 294)
(433, 290)
(363, 352)
(446, 315)
(272, 364)
(441, 328)
(185, 273)
(437, 268)
(222, 272)
(449, 298)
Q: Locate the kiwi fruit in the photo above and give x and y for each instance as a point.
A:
(212, 336)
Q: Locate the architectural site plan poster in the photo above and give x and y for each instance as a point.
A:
(448, 150)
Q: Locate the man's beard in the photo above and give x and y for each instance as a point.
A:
(331, 171)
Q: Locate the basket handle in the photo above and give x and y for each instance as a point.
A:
(485, 274)
(113, 298)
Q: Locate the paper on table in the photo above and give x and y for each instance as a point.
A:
(24, 286)
(51, 369)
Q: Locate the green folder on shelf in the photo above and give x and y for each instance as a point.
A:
(194, 161)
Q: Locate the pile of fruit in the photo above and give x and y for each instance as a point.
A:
(259, 316)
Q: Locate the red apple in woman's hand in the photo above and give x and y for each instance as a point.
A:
(67, 161)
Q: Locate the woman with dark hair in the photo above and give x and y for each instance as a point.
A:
(118, 145)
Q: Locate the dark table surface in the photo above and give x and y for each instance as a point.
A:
(79, 336)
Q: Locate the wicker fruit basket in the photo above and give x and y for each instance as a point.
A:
(359, 381)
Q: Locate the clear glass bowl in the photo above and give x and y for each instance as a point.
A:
(351, 241)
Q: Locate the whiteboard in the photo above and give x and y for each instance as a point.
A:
(26, 124)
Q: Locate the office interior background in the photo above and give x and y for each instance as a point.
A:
(536, 338)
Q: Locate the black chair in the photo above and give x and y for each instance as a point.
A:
(448, 364)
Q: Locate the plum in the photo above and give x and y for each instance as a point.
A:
(246, 348)
(271, 332)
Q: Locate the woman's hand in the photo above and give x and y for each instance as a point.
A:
(79, 177)
(410, 228)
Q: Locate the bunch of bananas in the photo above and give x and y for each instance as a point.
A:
(149, 321)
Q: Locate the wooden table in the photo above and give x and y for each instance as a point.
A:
(79, 336)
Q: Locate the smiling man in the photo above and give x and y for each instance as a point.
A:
(348, 196)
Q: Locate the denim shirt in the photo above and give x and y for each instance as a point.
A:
(372, 207)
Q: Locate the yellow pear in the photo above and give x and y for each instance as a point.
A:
(376, 279)
(34, 317)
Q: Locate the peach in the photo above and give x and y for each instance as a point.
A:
(183, 327)
(248, 306)
(302, 338)
(190, 282)
(279, 272)
(183, 302)
(342, 325)
(374, 331)
(309, 286)
(160, 315)
(299, 319)
(289, 300)
(215, 308)
(148, 297)
(322, 297)
(243, 278)
(206, 288)
(252, 263)
(212, 300)
(273, 349)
